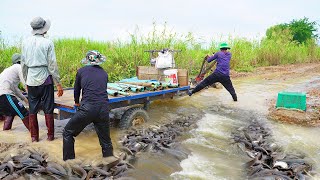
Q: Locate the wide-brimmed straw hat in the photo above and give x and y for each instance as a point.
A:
(93, 57)
(39, 25)
(16, 57)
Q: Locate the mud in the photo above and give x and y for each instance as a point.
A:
(310, 117)
(283, 72)
(4, 147)
(284, 75)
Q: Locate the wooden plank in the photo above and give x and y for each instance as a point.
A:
(67, 100)
(147, 70)
(147, 73)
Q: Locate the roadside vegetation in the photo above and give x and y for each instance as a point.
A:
(294, 42)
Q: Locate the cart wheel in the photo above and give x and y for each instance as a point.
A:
(133, 117)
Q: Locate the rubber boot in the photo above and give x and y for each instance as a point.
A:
(7, 124)
(25, 121)
(107, 152)
(234, 97)
(68, 144)
(50, 125)
(34, 127)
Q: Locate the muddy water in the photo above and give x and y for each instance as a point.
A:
(211, 156)
(86, 144)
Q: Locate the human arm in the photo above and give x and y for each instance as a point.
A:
(52, 64)
(21, 76)
(17, 91)
(107, 78)
(107, 84)
(24, 69)
(77, 88)
(53, 69)
(211, 58)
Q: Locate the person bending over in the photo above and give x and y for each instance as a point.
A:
(10, 106)
(92, 80)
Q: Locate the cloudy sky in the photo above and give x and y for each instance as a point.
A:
(115, 19)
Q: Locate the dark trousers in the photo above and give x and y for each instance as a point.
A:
(217, 77)
(41, 97)
(86, 114)
(11, 106)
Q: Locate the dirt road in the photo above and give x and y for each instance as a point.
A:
(309, 74)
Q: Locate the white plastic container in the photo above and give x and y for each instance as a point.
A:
(171, 76)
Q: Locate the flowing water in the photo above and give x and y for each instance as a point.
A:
(212, 156)
(210, 152)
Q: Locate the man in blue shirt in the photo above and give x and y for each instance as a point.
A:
(92, 80)
(221, 74)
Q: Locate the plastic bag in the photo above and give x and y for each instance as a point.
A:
(164, 60)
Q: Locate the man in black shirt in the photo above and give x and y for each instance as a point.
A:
(92, 80)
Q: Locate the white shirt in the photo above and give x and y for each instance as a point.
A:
(10, 79)
(38, 60)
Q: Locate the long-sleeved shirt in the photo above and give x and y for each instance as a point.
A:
(223, 62)
(92, 80)
(38, 61)
(10, 79)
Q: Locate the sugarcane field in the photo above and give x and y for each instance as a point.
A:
(147, 90)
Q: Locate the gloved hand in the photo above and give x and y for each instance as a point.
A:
(60, 90)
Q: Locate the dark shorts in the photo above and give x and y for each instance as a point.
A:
(11, 106)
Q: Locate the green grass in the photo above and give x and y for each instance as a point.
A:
(123, 57)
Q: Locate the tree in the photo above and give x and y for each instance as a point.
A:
(280, 32)
(299, 30)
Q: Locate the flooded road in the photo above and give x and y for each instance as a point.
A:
(210, 152)
(212, 156)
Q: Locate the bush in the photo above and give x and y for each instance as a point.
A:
(123, 57)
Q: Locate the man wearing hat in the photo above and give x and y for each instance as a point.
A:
(40, 71)
(10, 106)
(221, 73)
(92, 80)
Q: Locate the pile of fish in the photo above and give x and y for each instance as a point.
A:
(31, 164)
(156, 139)
(268, 160)
(7, 146)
